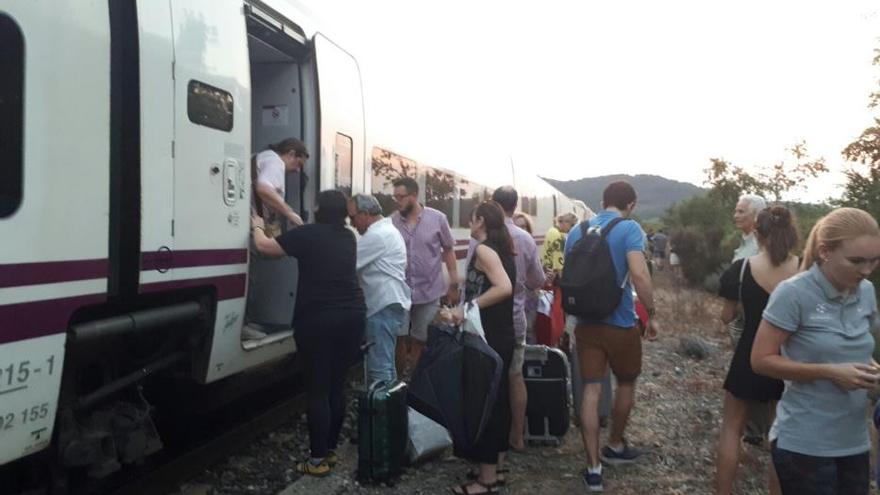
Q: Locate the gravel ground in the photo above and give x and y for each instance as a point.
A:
(677, 416)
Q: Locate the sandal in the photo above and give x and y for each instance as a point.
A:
(316, 470)
(500, 479)
(464, 488)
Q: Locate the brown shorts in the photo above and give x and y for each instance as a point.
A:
(600, 346)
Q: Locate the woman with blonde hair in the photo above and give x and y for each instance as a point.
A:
(816, 336)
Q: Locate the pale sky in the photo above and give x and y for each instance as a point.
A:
(581, 88)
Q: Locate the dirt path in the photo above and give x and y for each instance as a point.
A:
(677, 416)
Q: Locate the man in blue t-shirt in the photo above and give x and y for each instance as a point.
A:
(614, 341)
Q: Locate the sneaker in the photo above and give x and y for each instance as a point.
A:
(627, 456)
(250, 333)
(593, 481)
(317, 470)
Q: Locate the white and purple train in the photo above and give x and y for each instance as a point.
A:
(126, 131)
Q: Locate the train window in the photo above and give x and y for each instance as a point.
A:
(470, 195)
(343, 163)
(388, 166)
(209, 106)
(525, 205)
(440, 191)
(11, 116)
(533, 207)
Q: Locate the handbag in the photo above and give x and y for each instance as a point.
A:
(549, 327)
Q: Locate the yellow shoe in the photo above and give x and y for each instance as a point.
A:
(332, 459)
(319, 471)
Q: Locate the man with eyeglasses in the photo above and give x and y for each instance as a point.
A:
(429, 245)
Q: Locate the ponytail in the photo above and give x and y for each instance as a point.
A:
(811, 248)
(776, 233)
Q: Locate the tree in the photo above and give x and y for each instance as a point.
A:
(862, 189)
(770, 181)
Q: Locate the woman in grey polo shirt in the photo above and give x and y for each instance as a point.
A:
(816, 336)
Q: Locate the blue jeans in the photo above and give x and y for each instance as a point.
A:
(382, 327)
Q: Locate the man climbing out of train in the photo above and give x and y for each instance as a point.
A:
(381, 268)
(269, 169)
(429, 245)
(529, 277)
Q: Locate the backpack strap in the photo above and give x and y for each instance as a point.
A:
(613, 223)
(607, 230)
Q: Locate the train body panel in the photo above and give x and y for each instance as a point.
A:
(54, 248)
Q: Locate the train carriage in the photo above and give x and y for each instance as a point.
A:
(126, 134)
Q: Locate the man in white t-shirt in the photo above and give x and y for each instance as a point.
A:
(271, 168)
(268, 176)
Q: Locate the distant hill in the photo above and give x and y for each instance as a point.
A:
(655, 193)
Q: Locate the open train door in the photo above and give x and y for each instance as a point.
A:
(341, 118)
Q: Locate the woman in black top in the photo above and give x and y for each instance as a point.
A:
(329, 318)
(760, 274)
(491, 274)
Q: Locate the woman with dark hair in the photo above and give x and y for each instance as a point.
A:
(329, 318)
(491, 274)
(747, 286)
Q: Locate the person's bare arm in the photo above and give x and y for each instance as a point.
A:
(641, 280)
(452, 295)
(729, 310)
(270, 197)
(265, 245)
(767, 360)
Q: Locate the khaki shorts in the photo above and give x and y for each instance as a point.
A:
(518, 359)
(419, 317)
(600, 346)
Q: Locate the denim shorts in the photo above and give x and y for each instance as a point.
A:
(801, 474)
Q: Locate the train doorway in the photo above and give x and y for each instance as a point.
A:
(277, 52)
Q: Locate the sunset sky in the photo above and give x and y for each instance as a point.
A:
(576, 89)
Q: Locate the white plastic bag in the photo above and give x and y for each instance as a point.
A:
(472, 322)
(426, 438)
(545, 302)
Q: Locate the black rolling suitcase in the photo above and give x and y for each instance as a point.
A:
(546, 373)
(383, 431)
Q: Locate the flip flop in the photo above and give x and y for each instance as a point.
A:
(500, 481)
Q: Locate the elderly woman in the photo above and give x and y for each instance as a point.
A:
(328, 320)
(745, 214)
(816, 335)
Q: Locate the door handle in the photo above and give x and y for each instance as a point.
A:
(230, 182)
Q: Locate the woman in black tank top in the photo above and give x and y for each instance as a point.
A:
(491, 275)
